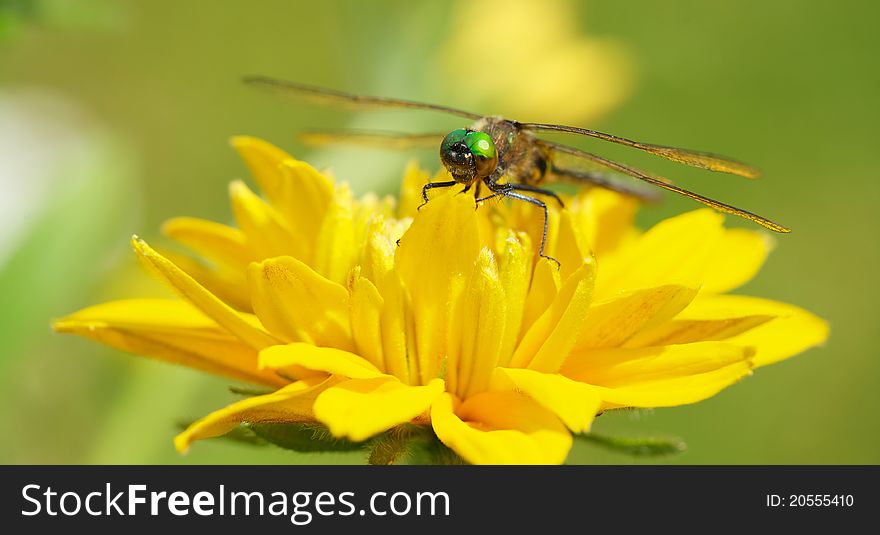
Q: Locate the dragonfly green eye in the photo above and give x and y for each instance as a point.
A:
(456, 136)
(457, 157)
(482, 147)
(468, 155)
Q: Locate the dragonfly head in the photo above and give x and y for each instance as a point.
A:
(468, 155)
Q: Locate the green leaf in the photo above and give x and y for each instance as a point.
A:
(302, 437)
(640, 447)
(250, 391)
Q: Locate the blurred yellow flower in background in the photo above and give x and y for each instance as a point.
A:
(461, 330)
(530, 60)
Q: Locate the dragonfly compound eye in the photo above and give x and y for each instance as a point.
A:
(482, 147)
(457, 157)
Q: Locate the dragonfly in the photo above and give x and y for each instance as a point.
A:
(511, 160)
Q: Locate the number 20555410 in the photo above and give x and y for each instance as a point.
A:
(810, 500)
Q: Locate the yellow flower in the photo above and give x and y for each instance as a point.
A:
(460, 328)
(560, 73)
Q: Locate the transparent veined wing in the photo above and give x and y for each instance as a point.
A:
(556, 148)
(331, 97)
(704, 160)
(373, 138)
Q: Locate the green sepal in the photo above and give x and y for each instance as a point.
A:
(639, 447)
(392, 446)
(249, 391)
(410, 444)
(439, 453)
(302, 437)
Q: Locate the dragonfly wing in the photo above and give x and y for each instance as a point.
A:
(556, 148)
(373, 139)
(704, 160)
(604, 179)
(333, 97)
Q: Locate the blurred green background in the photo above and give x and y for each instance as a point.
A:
(115, 115)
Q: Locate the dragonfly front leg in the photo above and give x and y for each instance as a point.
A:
(508, 190)
(492, 196)
(539, 191)
(432, 185)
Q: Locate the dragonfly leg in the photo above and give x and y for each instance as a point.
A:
(432, 185)
(497, 190)
(539, 191)
(537, 202)
(487, 197)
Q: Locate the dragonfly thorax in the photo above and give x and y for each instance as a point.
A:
(520, 158)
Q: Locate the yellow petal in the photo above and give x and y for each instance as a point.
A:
(514, 265)
(488, 218)
(265, 229)
(660, 376)
(335, 251)
(675, 251)
(543, 289)
(619, 366)
(323, 359)
(529, 219)
(442, 243)
(612, 322)
(298, 304)
(500, 428)
(792, 330)
(306, 197)
(414, 179)
(291, 404)
(366, 318)
(298, 192)
(549, 340)
(370, 214)
(575, 403)
(738, 256)
(682, 331)
(264, 161)
(230, 286)
(479, 320)
(673, 391)
(173, 331)
(221, 244)
(361, 408)
(396, 321)
(379, 248)
(454, 335)
(236, 323)
(604, 216)
(570, 248)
